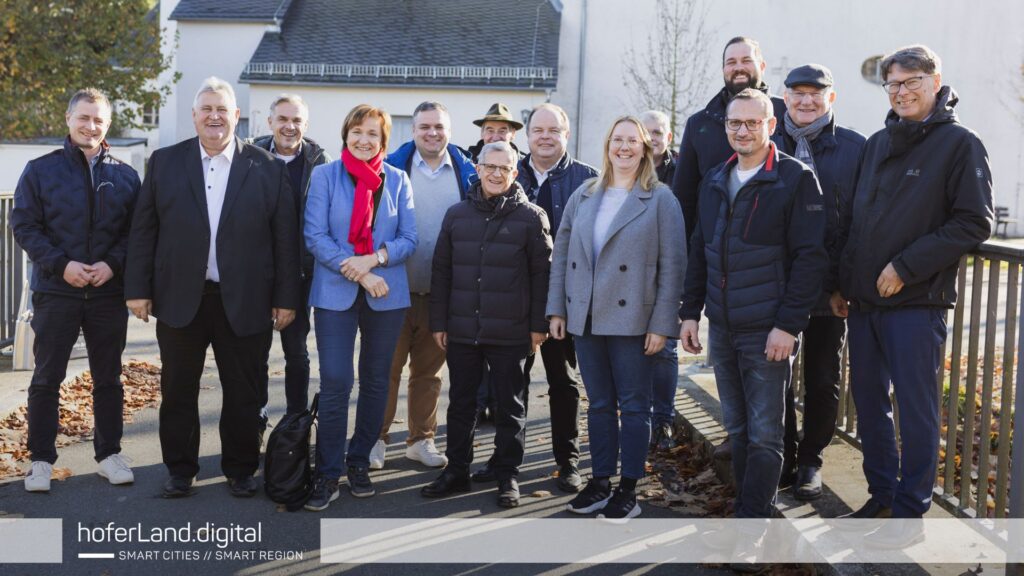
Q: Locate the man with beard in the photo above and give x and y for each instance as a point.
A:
(704, 144)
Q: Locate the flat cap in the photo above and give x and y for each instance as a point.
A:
(809, 75)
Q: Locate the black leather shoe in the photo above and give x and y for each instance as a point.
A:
(485, 474)
(569, 479)
(508, 493)
(723, 451)
(178, 487)
(244, 487)
(788, 476)
(808, 483)
(446, 484)
(871, 509)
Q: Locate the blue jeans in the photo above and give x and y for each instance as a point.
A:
(901, 351)
(665, 379)
(752, 391)
(335, 341)
(617, 377)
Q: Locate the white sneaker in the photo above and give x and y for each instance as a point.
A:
(425, 452)
(377, 455)
(115, 469)
(38, 479)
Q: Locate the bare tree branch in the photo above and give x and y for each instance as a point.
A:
(672, 70)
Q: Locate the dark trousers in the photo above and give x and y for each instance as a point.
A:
(823, 354)
(506, 365)
(898, 351)
(56, 321)
(296, 358)
(239, 361)
(559, 357)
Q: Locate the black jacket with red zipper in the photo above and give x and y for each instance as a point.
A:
(759, 264)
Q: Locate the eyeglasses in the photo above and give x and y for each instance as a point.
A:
(912, 83)
(815, 96)
(618, 141)
(492, 168)
(752, 125)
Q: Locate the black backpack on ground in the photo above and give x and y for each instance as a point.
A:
(287, 465)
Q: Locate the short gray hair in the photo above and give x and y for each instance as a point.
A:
(499, 146)
(917, 57)
(293, 99)
(214, 84)
(657, 116)
(89, 95)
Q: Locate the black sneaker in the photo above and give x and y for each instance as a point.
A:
(325, 491)
(592, 498)
(621, 507)
(662, 438)
(359, 482)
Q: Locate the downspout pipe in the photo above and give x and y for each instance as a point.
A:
(579, 85)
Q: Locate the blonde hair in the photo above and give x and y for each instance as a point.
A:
(646, 176)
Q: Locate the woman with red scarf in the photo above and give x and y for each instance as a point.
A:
(360, 228)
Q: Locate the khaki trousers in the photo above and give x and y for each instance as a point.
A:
(416, 344)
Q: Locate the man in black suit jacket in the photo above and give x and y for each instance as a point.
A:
(212, 256)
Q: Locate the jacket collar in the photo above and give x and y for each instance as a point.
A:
(633, 207)
(75, 154)
(768, 173)
(904, 134)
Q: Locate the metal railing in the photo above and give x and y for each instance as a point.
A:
(977, 387)
(292, 69)
(12, 272)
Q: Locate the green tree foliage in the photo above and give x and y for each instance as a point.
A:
(50, 49)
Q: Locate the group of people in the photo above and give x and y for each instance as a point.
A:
(773, 221)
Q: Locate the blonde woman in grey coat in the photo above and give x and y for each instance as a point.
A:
(616, 281)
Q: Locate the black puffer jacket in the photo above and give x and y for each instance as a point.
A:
(836, 154)
(489, 283)
(60, 215)
(923, 200)
(704, 145)
(760, 264)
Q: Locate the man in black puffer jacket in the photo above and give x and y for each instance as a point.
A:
(923, 200)
(72, 211)
(488, 292)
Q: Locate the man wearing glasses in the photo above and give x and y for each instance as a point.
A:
(923, 199)
(488, 292)
(757, 263)
(549, 175)
(811, 135)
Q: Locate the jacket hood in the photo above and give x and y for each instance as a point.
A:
(500, 205)
(906, 133)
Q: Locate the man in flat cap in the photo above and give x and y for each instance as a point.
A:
(498, 125)
(810, 133)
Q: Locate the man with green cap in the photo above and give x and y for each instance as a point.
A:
(497, 125)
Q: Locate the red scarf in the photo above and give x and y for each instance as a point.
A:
(368, 179)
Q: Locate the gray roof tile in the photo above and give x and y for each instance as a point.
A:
(232, 10)
(446, 33)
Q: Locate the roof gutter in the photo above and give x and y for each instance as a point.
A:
(579, 85)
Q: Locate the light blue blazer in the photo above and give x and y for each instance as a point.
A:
(328, 214)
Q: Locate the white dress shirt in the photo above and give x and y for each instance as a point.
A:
(425, 168)
(215, 180)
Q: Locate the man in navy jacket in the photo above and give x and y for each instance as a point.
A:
(756, 263)
(72, 211)
(811, 134)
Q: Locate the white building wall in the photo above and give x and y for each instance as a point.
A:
(209, 49)
(328, 106)
(167, 132)
(980, 45)
(14, 158)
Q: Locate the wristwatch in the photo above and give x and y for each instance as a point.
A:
(380, 258)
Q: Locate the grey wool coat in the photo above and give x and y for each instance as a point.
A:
(636, 284)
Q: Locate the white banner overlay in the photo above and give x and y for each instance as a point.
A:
(31, 540)
(593, 541)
